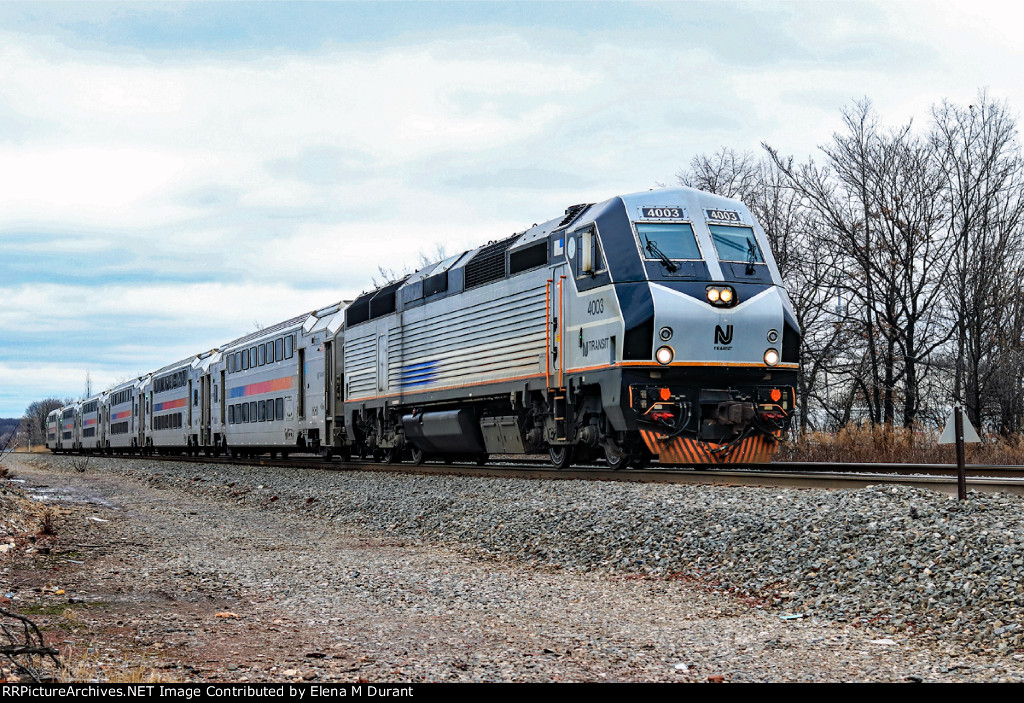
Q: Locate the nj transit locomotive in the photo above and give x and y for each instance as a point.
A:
(651, 325)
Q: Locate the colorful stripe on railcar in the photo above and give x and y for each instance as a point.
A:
(170, 404)
(278, 384)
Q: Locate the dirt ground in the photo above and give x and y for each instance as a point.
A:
(141, 582)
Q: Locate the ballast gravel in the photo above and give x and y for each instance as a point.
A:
(473, 578)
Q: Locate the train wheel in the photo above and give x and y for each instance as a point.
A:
(389, 455)
(615, 462)
(482, 459)
(561, 457)
(418, 456)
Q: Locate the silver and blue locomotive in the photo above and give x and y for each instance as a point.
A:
(651, 325)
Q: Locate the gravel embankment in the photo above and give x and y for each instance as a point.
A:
(899, 559)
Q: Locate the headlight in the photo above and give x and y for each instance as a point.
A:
(722, 296)
(664, 355)
(665, 334)
(771, 357)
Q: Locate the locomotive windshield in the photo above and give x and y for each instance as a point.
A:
(673, 241)
(736, 244)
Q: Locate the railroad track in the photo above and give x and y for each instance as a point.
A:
(938, 477)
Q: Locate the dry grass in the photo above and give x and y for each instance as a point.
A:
(862, 443)
(78, 462)
(46, 521)
(82, 666)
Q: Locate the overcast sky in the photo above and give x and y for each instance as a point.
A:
(173, 175)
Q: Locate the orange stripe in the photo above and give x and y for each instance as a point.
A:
(547, 331)
(734, 364)
(701, 364)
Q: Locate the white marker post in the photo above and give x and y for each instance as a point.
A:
(954, 432)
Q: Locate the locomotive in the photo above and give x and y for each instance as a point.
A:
(648, 326)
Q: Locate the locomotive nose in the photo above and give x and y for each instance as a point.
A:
(745, 334)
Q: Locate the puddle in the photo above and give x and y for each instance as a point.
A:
(46, 494)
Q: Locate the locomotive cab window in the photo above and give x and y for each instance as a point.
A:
(668, 241)
(589, 257)
(736, 244)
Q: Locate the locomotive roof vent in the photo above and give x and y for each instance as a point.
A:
(572, 212)
(489, 263)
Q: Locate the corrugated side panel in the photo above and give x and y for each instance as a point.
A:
(361, 362)
(497, 334)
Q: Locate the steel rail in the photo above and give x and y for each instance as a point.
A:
(937, 477)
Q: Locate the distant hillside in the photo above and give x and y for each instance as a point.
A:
(8, 425)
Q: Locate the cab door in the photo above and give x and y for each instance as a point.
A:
(556, 293)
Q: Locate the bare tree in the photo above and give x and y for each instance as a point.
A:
(34, 420)
(876, 204)
(983, 174)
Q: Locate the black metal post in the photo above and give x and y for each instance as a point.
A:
(961, 469)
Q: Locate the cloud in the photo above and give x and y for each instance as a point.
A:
(160, 193)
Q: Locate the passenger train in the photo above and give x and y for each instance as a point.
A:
(648, 326)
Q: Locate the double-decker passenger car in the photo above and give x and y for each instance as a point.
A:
(53, 430)
(280, 386)
(169, 407)
(92, 435)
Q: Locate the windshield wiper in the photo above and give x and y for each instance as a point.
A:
(751, 258)
(652, 248)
